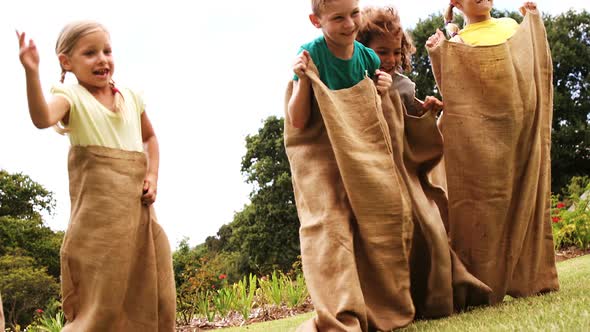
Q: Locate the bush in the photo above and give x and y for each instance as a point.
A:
(25, 288)
(50, 320)
(571, 217)
(283, 289)
(199, 277)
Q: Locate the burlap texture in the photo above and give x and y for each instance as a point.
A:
(1, 315)
(438, 278)
(497, 130)
(116, 264)
(355, 217)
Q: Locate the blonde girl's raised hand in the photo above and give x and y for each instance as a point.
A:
(29, 57)
(42, 114)
(382, 81)
(301, 64)
(530, 6)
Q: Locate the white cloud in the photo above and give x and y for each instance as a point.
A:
(210, 71)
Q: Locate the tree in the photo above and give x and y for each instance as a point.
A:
(35, 239)
(222, 242)
(22, 201)
(265, 233)
(267, 230)
(25, 287)
(422, 73)
(182, 259)
(569, 38)
(21, 197)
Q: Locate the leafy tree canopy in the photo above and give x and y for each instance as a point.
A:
(21, 197)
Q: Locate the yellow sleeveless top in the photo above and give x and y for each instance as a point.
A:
(490, 32)
(90, 123)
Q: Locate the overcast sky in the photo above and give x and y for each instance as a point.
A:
(211, 71)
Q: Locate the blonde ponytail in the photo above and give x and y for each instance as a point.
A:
(63, 76)
(119, 99)
(58, 127)
(451, 28)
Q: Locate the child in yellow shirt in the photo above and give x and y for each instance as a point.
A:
(114, 255)
(481, 28)
(497, 91)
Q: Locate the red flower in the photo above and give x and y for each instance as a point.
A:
(560, 205)
(555, 219)
(222, 276)
(39, 311)
(213, 286)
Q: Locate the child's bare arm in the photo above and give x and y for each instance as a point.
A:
(43, 114)
(152, 149)
(299, 107)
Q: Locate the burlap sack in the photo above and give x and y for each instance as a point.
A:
(438, 278)
(497, 131)
(1, 315)
(353, 211)
(116, 264)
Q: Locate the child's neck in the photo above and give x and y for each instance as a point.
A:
(97, 91)
(478, 18)
(103, 95)
(344, 52)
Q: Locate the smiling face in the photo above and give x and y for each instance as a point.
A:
(474, 10)
(91, 60)
(340, 21)
(389, 49)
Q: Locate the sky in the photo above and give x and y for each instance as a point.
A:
(210, 72)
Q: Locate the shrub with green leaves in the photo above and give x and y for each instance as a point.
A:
(283, 289)
(48, 323)
(204, 307)
(245, 289)
(224, 301)
(271, 289)
(25, 287)
(571, 224)
(52, 319)
(295, 290)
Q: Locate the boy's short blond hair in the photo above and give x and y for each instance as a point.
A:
(382, 21)
(317, 6)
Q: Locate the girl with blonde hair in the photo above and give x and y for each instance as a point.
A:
(116, 266)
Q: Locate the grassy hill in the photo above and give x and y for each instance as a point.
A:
(566, 310)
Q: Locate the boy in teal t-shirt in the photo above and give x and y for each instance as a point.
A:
(339, 152)
(342, 62)
(338, 73)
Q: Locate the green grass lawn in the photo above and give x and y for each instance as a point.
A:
(566, 310)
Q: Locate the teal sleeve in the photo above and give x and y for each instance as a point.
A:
(375, 62)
